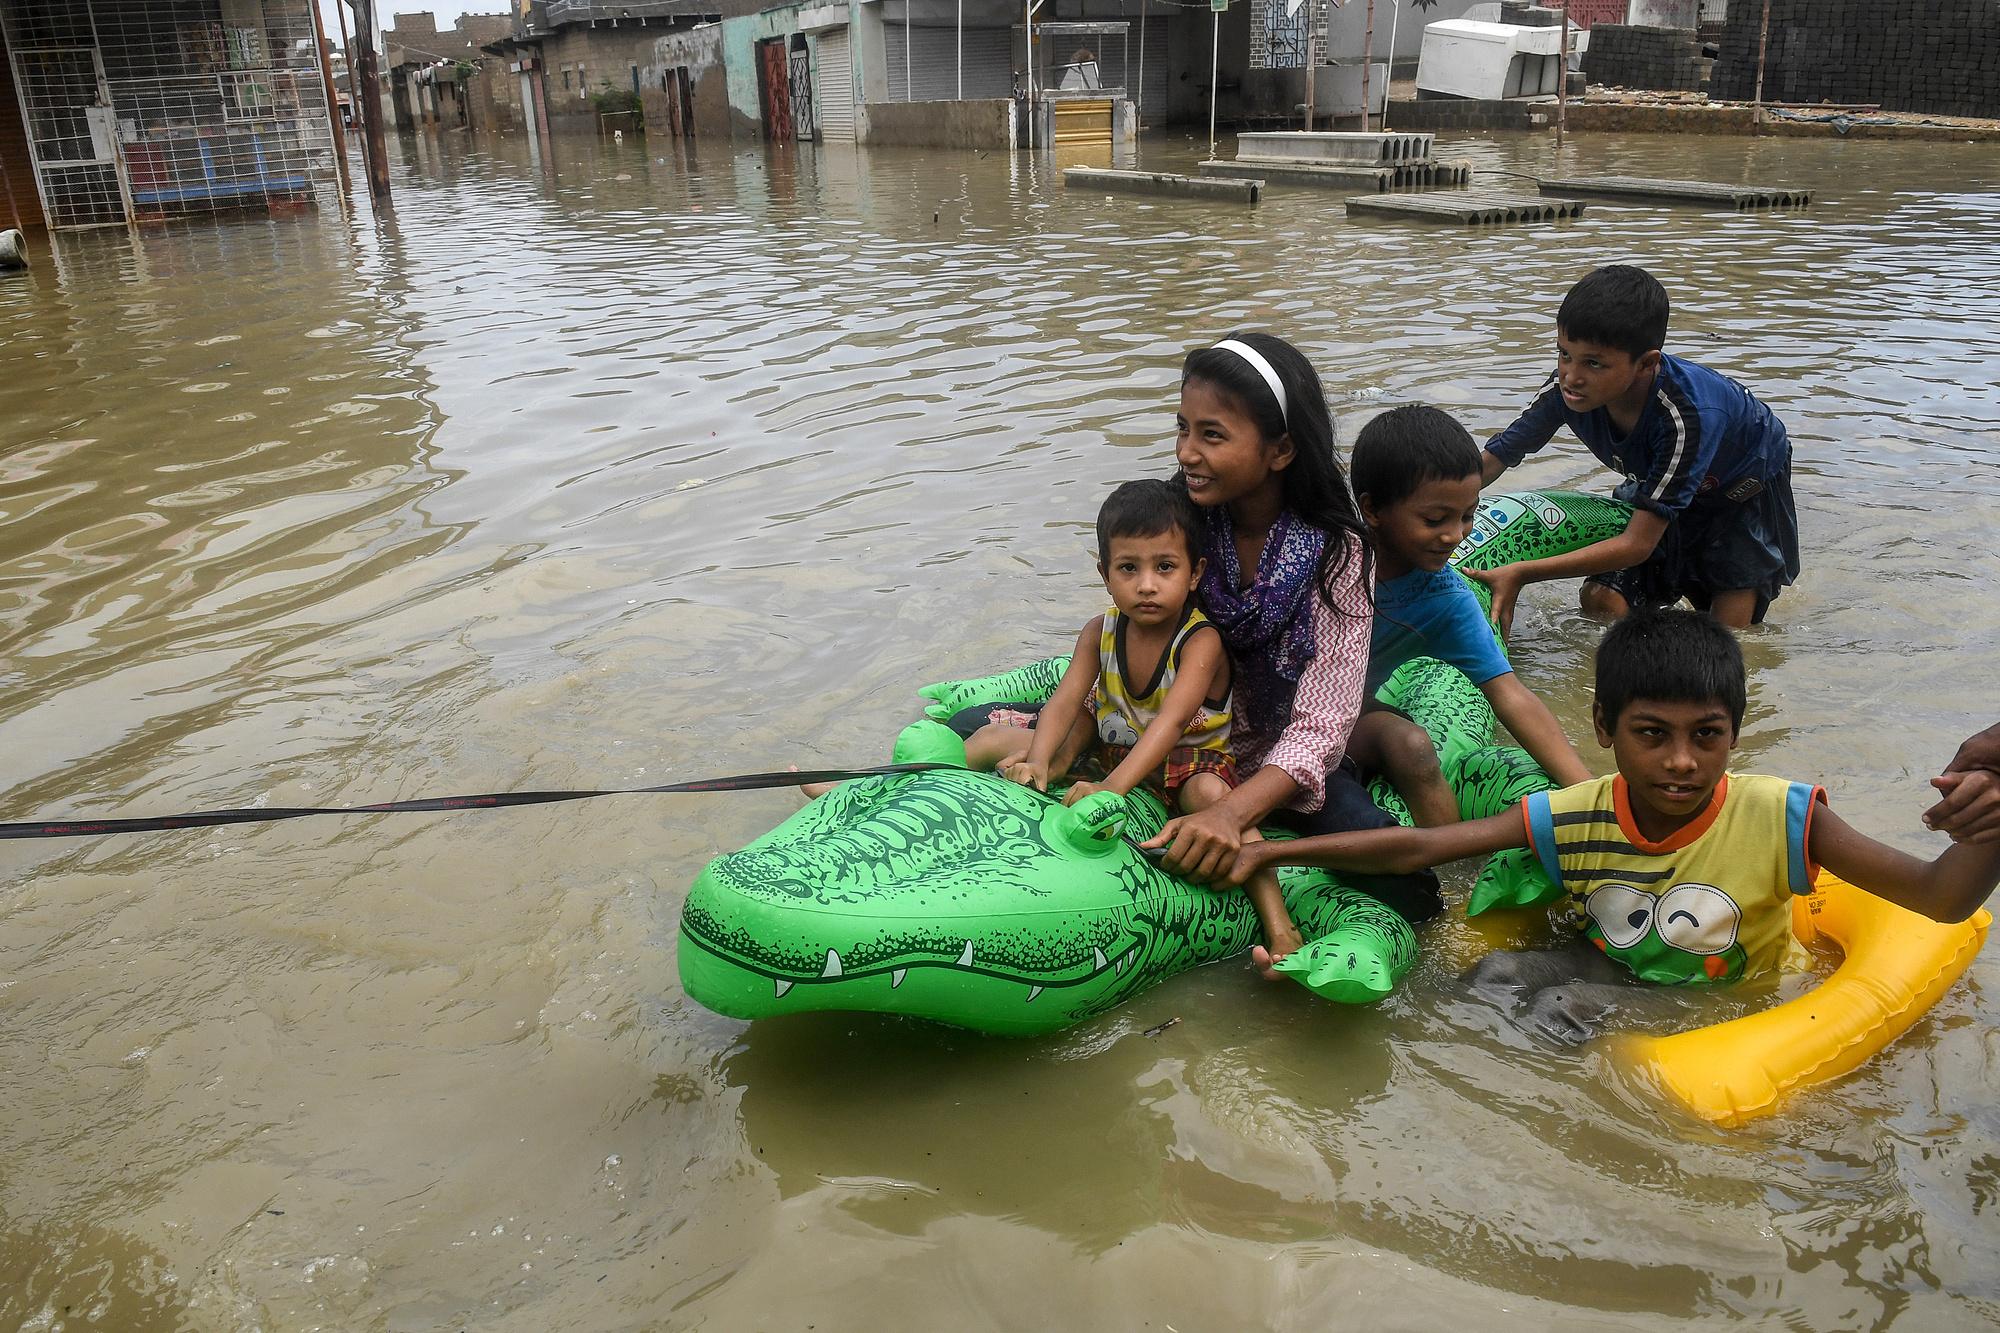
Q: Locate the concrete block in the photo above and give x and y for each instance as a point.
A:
(1468, 207)
(1410, 176)
(1742, 198)
(1161, 182)
(1329, 147)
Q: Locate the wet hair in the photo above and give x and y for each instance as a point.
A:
(1149, 509)
(1673, 656)
(1406, 447)
(1315, 489)
(1618, 306)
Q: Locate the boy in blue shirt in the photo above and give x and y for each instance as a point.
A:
(1416, 474)
(1708, 468)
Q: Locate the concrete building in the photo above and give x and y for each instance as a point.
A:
(445, 77)
(117, 111)
(581, 54)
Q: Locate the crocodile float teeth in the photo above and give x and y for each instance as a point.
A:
(896, 977)
(1101, 960)
(781, 986)
(832, 968)
(965, 959)
(1033, 991)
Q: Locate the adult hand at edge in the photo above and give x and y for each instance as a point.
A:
(1977, 752)
(1202, 846)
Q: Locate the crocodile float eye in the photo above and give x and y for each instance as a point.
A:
(1699, 918)
(1622, 912)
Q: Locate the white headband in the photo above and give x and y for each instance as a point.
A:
(1262, 367)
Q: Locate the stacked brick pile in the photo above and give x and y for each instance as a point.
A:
(1521, 14)
(1940, 56)
(1666, 59)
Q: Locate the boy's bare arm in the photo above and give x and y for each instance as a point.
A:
(1065, 706)
(1628, 548)
(1950, 888)
(1531, 723)
(1491, 465)
(1387, 851)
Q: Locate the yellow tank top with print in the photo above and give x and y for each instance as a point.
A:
(1710, 903)
(1125, 711)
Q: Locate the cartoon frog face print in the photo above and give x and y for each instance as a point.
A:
(1687, 934)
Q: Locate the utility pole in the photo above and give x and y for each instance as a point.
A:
(1389, 72)
(1214, 65)
(1367, 63)
(1312, 74)
(364, 81)
(332, 100)
(1562, 79)
(1763, 37)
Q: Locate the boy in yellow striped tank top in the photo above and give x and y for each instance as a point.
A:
(1676, 870)
(1145, 701)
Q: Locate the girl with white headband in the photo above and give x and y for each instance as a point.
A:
(1288, 579)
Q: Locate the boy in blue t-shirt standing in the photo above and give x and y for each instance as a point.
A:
(1708, 468)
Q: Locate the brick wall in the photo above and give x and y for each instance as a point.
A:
(412, 27)
(1590, 13)
(20, 201)
(1464, 113)
(593, 57)
(1941, 56)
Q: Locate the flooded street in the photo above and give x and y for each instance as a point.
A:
(654, 463)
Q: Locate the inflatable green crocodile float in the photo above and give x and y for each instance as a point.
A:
(966, 899)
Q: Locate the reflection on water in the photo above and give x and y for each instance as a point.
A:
(668, 460)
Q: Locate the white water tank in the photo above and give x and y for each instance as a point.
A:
(1467, 58)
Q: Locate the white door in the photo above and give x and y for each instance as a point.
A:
(834, 88)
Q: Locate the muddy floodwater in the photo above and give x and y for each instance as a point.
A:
(649, 463)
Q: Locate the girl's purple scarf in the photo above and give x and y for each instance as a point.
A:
(1268, 626)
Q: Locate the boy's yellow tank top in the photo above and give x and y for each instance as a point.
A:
(1711, 903)
(1124, 712)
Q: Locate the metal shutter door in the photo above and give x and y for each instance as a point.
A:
(934, 54)
(989, 63)
(1111, 61)
(834, 100)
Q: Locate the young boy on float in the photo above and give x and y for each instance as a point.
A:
(1677, 870)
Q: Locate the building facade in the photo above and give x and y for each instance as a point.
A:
(136, 111)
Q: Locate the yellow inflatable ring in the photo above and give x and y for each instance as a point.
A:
(1896, 966)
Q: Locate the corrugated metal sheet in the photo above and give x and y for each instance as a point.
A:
(934, 53)
(1111, 57)
(834, 88)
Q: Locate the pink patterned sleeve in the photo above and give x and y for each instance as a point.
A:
(1330, 688)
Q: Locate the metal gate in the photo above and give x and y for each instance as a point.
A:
(65, 105)
(803, 125)
(835, 86)
(136, 109)
(1284, 36)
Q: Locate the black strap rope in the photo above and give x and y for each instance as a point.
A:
(85, 828)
